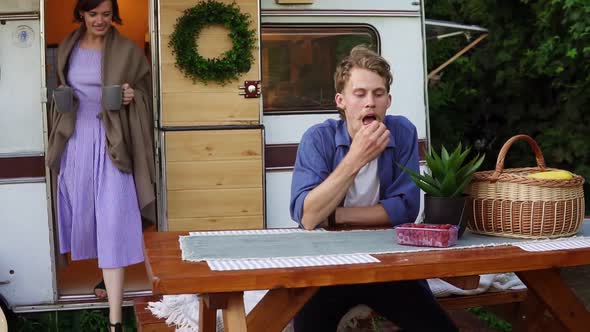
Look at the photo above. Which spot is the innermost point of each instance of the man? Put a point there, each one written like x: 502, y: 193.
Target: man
x: 347, y: 173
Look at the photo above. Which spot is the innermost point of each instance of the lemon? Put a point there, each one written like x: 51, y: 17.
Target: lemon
x: 552, y: 175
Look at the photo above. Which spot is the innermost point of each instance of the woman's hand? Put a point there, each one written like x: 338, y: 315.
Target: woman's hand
x: 128, y: 94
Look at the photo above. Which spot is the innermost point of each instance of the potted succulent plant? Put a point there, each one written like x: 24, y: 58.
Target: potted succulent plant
x: 445, y: 201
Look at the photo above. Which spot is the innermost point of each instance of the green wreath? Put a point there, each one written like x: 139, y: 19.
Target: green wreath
x: 232, y: 63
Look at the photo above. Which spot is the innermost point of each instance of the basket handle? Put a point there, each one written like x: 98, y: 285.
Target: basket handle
x: 506, y: 147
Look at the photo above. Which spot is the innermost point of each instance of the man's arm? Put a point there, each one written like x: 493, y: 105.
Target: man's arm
x: 322, y: 200
x: 401, y: 198
x: 374, y: 215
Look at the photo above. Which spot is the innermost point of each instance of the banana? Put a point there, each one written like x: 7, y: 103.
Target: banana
x: 552, y: 175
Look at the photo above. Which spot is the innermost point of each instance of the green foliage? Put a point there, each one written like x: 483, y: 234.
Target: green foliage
x: 77, y: 320
x: 93, y: 320
x: 233, y: 62
x: 531, y: 75
x: 449, y: 174
x: 491, y: 320
x: 374, y: 325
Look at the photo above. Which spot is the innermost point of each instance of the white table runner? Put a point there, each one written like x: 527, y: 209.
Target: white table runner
x: 469, y: 241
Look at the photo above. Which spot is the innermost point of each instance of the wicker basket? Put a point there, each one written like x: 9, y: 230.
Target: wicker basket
x: 505, y: 202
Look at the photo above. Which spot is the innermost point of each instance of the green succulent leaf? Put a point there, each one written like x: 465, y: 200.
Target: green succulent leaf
x: 470, y: 167
x: 435, y: 164
x: 450, y: 173
x: 461, y: 188
x: 445, y: 156
x: 425, y: 182
x: 448, y: 184
x: 433, y: 190
x: 457, y: 158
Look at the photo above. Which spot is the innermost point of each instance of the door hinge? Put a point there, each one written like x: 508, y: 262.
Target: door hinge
x: 251, y: 89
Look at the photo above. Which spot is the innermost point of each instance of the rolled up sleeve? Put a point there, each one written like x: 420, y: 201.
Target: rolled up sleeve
x: 401, y: 198
x: 312, y: 167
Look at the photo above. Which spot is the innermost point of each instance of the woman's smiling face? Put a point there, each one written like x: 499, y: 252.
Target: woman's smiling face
x: 364, y: 99
x: 99, y: 20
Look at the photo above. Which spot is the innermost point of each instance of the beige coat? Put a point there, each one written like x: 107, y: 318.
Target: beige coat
x: 129, y: 132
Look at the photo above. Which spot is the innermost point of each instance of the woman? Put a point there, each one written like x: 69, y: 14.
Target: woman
x: 103, y: 158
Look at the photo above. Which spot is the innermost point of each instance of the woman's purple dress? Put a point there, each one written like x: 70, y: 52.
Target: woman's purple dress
x: 97, y: 207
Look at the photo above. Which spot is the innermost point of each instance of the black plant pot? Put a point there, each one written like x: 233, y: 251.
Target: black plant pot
x: 447, y: 210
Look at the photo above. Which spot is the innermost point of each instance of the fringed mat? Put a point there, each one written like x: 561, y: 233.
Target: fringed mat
x: 274, y: 244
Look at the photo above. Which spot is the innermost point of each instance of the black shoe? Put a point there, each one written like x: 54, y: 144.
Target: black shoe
x: 100, y: 288
x: 118, y: 327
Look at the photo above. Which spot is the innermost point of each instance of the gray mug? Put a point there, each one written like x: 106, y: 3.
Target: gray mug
x: 112, y: 97
x: 64, y: 99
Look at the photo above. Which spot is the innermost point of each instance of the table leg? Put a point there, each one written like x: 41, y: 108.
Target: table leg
x: 277, y: 308
x: 232, y: 307
x: 207, y: 316
x: 551, y: 290
x: 531, y: 315
x: 234, y: 316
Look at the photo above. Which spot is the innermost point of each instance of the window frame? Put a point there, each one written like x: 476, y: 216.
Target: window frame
x: 264, y: 26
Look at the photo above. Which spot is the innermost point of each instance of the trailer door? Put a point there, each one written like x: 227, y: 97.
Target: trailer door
x: 26, y: 273
x: 211, y: 137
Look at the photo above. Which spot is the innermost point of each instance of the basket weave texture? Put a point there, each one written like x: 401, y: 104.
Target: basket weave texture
x: 507, y: 203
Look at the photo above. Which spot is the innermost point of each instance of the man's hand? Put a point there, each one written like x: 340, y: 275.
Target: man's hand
x: 368, y: 143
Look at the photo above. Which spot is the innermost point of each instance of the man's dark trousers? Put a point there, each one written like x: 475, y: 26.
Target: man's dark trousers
x: 408, y: 304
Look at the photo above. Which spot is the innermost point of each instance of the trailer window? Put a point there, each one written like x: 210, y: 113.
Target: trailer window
x: 298, y: 65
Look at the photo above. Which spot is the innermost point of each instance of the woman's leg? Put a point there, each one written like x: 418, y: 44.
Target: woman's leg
x: 113, y: 279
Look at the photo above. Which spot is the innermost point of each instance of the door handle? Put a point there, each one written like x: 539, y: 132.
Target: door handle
x: 5, y: 282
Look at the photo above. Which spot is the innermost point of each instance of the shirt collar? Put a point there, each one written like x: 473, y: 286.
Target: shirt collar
x: 343, y: 138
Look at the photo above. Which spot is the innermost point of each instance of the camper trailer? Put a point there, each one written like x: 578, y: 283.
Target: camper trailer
x: 224, y: 152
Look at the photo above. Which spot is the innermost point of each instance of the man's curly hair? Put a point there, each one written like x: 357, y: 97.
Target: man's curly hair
x: 361, y: 57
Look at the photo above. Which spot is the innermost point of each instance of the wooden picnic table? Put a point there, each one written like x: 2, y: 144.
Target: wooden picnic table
x: 290, y: 288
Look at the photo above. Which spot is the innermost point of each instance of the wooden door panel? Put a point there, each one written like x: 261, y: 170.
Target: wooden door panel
x: 220, y: 174
x: 214, y: 179
x: 214, y: 202
x: 186, y: 103
x: 239, y: 144
x: 195, y: 108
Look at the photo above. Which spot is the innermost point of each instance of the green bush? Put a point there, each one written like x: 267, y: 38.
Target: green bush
x: 531, y: 75
x: 491, y: 320
x: 75, y: 320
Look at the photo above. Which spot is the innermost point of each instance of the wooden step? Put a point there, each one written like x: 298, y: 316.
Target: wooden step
x: 484, y: 299
x: 146, y: 322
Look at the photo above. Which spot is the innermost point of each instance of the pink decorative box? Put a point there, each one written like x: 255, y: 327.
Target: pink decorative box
x: 427, y: 235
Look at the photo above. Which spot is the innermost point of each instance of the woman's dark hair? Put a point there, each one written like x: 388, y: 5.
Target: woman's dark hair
x: 88, y: 5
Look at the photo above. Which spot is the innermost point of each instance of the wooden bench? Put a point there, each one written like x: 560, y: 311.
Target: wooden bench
x: 146, y: 322
x: 483, y: 300
x: 479, y: 300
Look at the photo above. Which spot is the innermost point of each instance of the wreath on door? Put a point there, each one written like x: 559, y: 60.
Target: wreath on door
x: 228, y: 66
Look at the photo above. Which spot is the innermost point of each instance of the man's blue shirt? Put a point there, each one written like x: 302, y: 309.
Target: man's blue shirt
x: 323, y: 147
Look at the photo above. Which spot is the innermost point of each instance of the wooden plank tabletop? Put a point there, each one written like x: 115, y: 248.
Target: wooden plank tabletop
x: 171, y: 275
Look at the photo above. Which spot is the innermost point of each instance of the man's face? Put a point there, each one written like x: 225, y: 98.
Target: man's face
x: 364, y: 99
